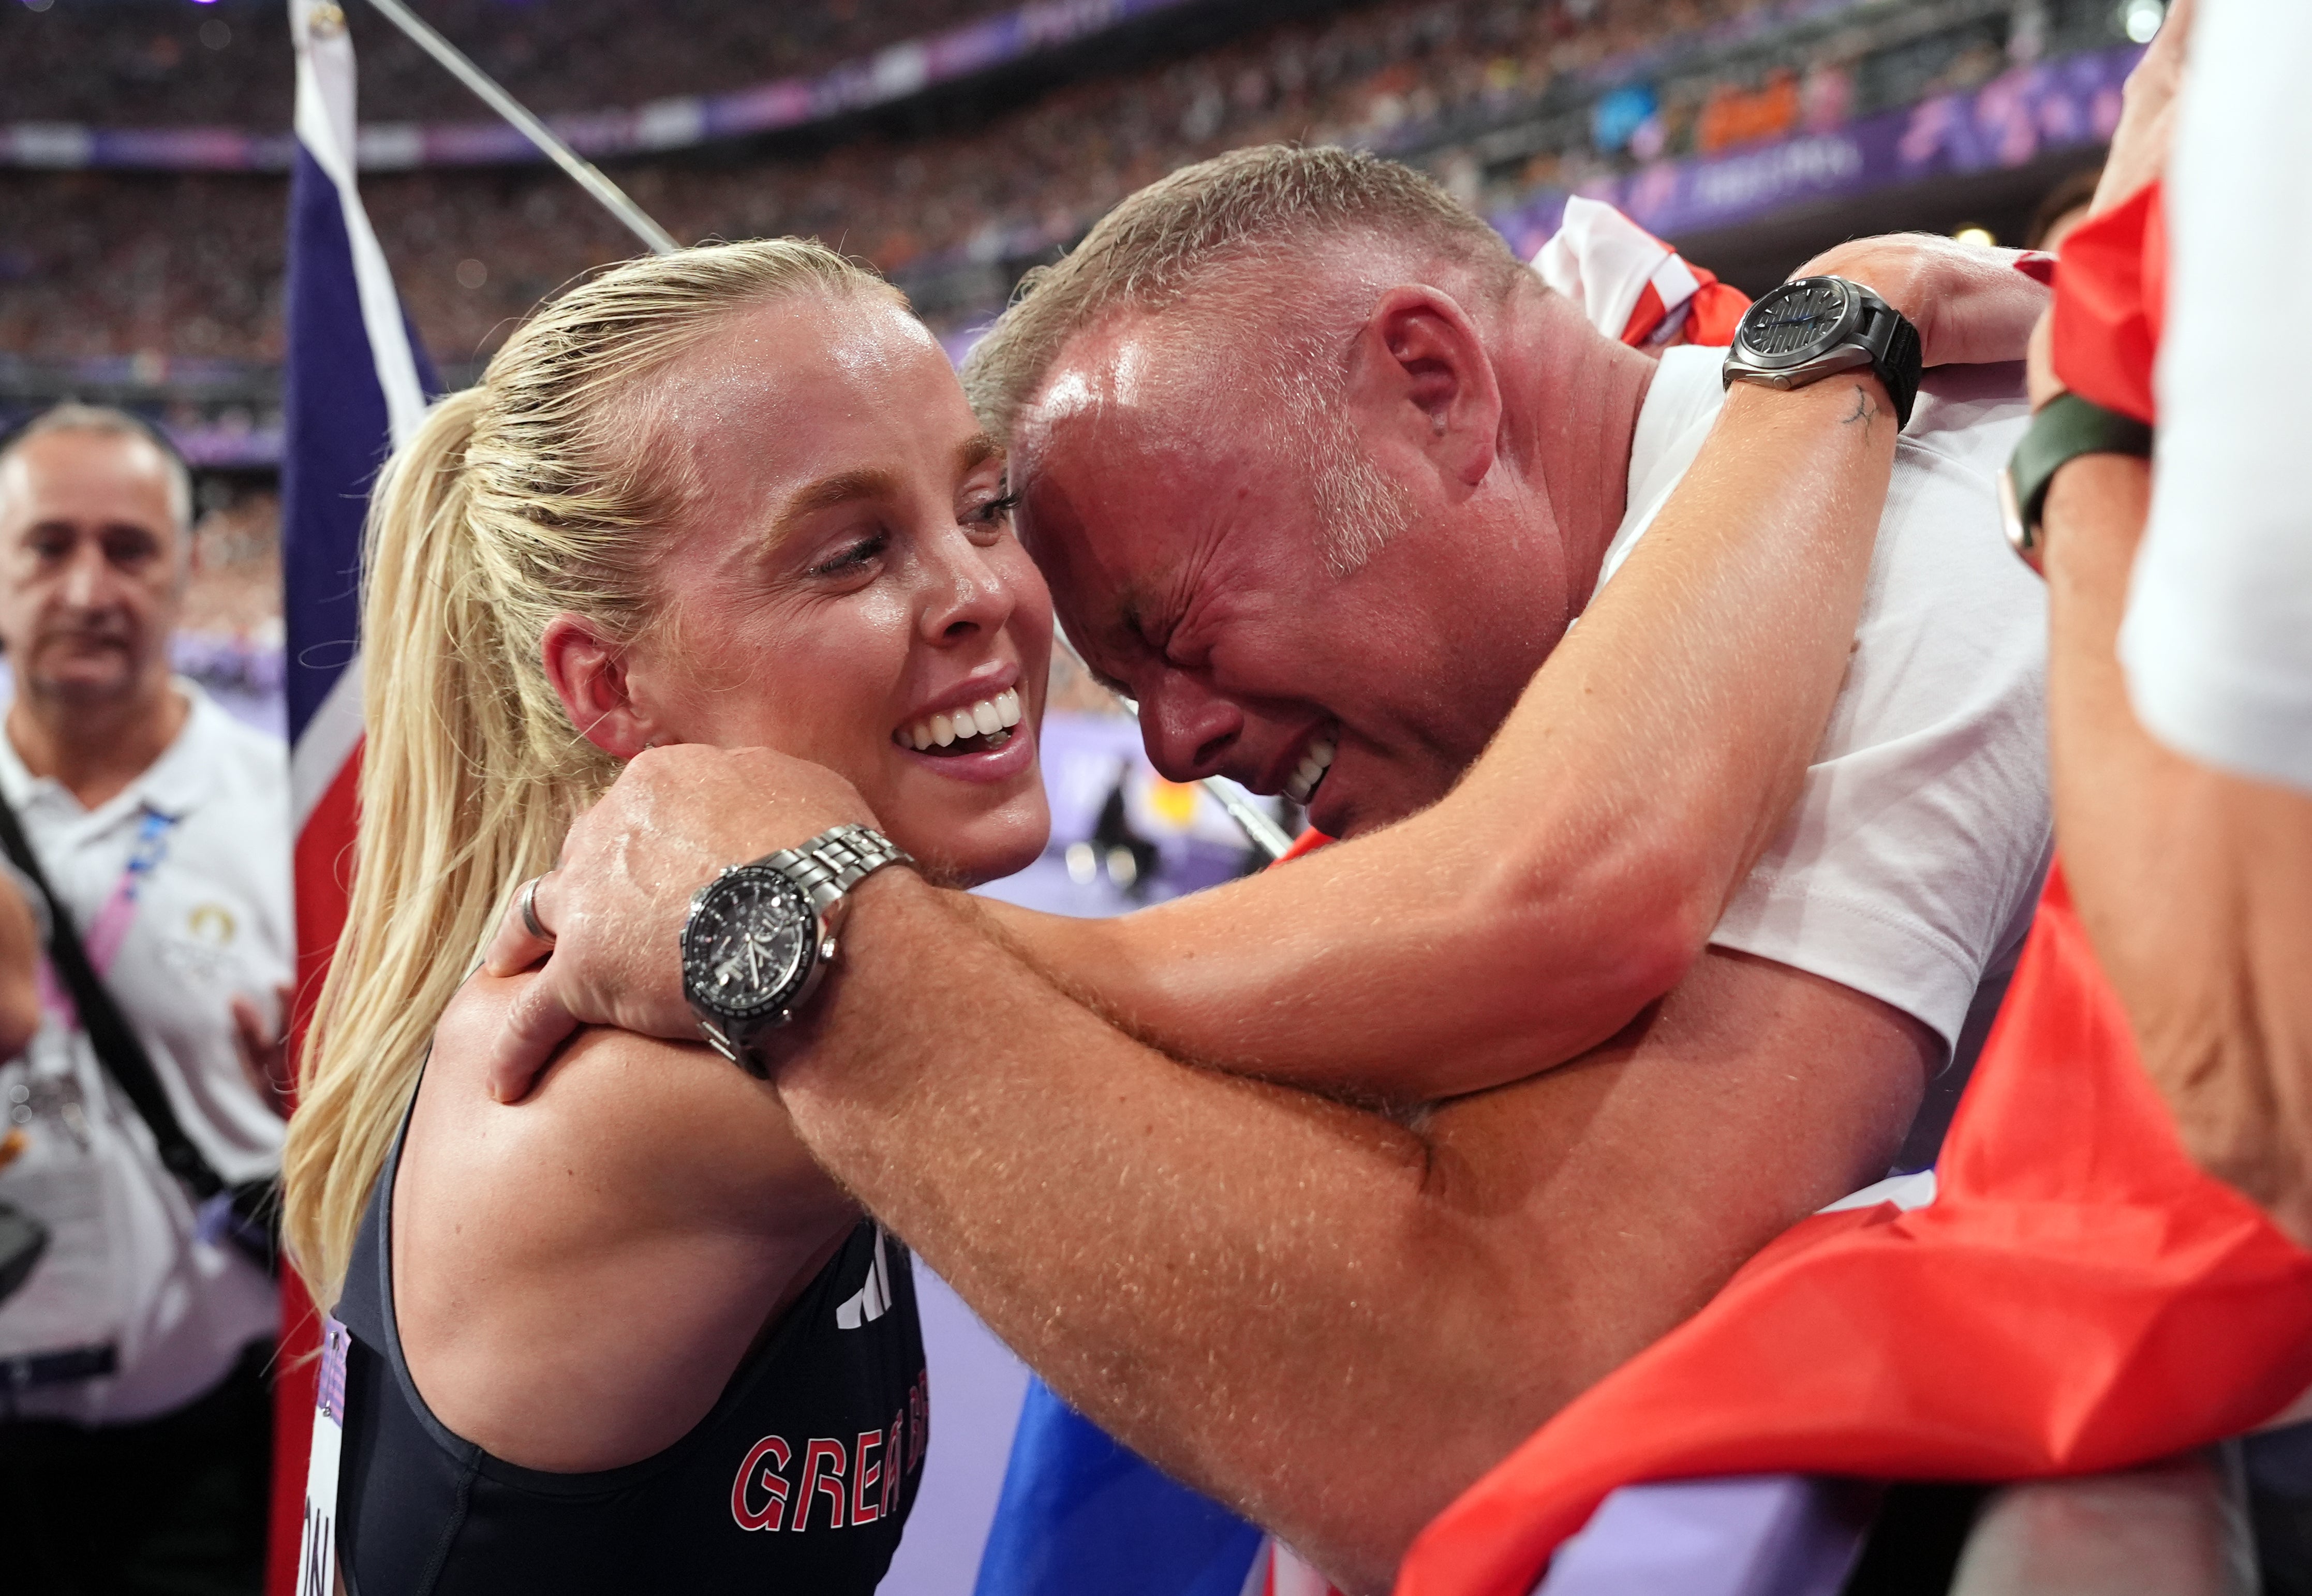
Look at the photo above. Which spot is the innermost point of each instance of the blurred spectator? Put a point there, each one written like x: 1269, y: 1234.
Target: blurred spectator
x: 132, y: 1359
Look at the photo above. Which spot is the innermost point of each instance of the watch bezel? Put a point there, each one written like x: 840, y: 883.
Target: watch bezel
x: 1846, y: 328
x: 775, y: 1008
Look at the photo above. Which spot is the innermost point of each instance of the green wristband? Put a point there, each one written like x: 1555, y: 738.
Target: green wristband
x: 2066, y: 428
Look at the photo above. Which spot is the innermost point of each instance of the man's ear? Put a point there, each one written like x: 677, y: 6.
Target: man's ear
x: 589, y: 673
x: 1419, y: 369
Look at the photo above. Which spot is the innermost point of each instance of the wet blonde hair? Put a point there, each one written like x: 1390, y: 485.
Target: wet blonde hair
x: 535, y: 492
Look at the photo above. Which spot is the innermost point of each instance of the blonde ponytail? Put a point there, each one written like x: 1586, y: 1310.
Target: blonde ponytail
x: 515, y: 501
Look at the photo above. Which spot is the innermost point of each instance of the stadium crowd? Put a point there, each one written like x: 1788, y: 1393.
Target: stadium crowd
x: 112, y: 263
x: 163, y: 62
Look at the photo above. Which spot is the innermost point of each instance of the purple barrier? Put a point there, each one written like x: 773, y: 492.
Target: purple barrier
x: 1756, y: 1535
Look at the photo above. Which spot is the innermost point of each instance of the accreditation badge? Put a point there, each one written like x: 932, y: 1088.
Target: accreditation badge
x: 317, y: 1552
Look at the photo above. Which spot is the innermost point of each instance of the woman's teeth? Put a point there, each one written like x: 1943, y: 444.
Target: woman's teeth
x: 1318, y: 759
x: 989, y: 718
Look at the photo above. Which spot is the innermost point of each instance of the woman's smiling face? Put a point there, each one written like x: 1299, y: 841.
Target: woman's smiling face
x: 842, y: 582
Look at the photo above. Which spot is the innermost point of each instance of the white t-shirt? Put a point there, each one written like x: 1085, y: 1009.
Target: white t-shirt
x: 126, y: 1266
x: 1911, y: 864
x: 2218, y: 640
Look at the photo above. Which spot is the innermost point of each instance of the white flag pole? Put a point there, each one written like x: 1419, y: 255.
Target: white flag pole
x: 587, y: 175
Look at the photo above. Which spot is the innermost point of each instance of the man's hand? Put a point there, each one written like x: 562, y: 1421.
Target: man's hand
x: 613, y: 908
x: 1970, y: 304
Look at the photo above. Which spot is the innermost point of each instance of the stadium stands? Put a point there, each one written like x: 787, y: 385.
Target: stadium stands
x: 137, y: 284
x: 163, y: 62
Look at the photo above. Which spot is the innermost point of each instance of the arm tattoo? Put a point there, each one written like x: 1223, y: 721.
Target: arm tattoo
x: 1866, y: 408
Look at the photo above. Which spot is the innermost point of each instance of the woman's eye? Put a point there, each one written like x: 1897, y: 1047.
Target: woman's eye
x: 995, y: 512
x: 858, y: 557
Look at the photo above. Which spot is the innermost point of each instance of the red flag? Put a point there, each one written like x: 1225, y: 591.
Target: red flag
x: 2078, y: 1297
x: 2111, y: 300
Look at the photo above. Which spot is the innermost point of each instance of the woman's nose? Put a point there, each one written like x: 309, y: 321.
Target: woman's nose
x: 970, y: 593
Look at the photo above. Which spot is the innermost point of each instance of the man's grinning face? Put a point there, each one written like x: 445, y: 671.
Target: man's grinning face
x: 1184, y: 539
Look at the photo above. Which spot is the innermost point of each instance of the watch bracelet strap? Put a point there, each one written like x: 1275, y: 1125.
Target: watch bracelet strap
x: 1902, y: 366
x: 2066, y: 428
x: 835, y: 861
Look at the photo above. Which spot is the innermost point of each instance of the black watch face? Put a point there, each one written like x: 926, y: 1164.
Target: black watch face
x: 1796, y: 320
x: 748, y: 944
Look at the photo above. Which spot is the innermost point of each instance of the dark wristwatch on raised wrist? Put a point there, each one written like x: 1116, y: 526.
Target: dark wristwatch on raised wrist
x: 1812, y: 327
x: 2066, y: 428
x: 759, y: 936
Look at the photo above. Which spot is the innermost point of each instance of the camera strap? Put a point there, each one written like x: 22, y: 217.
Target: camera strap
x: 117, y: 1047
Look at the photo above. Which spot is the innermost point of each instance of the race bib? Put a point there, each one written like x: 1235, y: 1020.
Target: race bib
x: 316, y: 1553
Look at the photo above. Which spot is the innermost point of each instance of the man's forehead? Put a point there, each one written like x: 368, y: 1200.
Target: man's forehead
x: 84, y: 471
x: 1123, y: 380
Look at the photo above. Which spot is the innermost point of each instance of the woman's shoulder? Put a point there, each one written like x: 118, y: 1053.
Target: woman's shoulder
x: 674, y: 1117
x: 625, y: 1231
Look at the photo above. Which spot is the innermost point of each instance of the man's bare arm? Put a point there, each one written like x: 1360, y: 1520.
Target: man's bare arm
x: 2195, y: 886
x: 1574, y: 876
x: 1571, y: 879
x: 1577, y: 873
x: 1327, y: 1319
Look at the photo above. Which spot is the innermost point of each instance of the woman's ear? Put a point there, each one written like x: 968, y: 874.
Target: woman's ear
x: 588, y: 669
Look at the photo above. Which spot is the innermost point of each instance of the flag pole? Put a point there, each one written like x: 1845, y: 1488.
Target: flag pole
x: 587, y: 175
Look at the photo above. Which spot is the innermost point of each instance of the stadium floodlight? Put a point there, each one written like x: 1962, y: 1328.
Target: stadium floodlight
x: 2140, y: 20
x: 588, y: 176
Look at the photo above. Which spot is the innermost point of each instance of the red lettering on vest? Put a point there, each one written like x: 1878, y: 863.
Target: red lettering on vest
x: 763, y: 1472
x: 893, y: 1460
x: 865, y: 1509
x: 823, y: 1463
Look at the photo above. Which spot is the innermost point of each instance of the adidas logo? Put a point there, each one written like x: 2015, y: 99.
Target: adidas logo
x: 872, y: 1301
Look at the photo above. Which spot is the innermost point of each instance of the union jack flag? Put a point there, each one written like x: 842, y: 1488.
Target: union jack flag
x: 355, y: 385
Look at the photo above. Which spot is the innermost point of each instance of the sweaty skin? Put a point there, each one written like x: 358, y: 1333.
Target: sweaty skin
x: 1323, y: 1317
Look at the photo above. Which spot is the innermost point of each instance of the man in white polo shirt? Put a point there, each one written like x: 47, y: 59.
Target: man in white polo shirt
x: 133, y: 1416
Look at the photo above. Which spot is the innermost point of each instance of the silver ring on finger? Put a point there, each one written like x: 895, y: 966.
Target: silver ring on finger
x: 527, y: 898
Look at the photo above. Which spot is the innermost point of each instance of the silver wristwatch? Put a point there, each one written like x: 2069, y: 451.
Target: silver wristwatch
x: 1811, y: 327
x: 759, y: 936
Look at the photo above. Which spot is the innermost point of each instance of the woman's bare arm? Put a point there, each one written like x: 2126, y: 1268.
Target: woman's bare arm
x: 576, y: 1281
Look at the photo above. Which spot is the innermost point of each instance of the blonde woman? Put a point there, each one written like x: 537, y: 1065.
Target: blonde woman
x: 628, y: 1337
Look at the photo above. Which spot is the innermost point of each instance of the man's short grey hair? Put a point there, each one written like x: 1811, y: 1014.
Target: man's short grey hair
x: 72, y: 416
x: 1260, y: 207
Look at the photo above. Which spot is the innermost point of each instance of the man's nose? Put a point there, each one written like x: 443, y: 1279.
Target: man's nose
x: 1190, y: 730
x: 88, y: 577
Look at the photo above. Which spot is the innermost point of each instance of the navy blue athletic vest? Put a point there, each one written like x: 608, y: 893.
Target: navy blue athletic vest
x: 798, y: 1480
